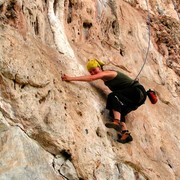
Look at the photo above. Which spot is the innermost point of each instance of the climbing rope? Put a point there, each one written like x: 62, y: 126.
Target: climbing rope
x: 175, y: 8
x: 149, y: 35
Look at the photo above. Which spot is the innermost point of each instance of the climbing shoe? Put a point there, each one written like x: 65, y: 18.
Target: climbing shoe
x: 124, y: 137
x: 115, y: 125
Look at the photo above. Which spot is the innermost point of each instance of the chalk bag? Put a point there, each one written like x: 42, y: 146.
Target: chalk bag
x: 152, y: 96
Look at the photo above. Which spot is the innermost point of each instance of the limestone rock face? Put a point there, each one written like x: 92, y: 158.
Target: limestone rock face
x: 51, y: 129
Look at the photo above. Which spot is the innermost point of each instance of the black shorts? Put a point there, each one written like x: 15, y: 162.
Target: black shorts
x: 126, y: 100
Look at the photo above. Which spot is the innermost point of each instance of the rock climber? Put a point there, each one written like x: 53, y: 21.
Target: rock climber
x: 126, y: 95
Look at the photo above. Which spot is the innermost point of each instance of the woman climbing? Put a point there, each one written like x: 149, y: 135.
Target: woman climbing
x: 127, y: 95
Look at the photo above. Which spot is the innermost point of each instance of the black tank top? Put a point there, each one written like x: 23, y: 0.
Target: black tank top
x: 121, y: 81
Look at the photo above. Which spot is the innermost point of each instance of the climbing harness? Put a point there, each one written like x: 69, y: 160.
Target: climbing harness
x: 150, y: 93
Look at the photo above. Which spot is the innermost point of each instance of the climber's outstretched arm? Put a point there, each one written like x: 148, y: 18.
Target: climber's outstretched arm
x: 104, y: 75
x: 81, y: 78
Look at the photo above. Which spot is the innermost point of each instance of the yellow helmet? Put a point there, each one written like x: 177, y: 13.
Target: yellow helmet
x: 93, y: 63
